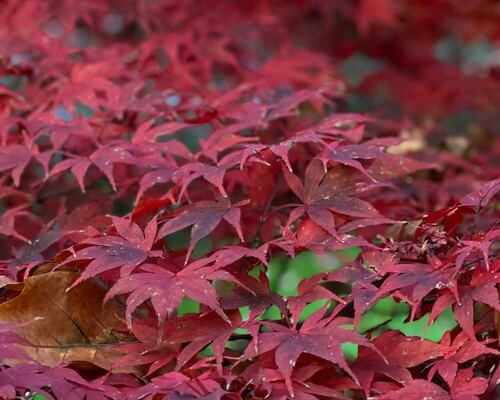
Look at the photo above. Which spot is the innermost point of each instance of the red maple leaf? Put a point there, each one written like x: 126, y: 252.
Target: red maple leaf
x: 108, y: 252
x: 318, y: 336
x: 204, y: 216
x: 324, y: 192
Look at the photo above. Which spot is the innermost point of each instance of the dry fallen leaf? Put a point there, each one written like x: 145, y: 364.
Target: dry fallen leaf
x: 66, y: 326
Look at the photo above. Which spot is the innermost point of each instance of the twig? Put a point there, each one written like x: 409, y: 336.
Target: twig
x: 265, y: 213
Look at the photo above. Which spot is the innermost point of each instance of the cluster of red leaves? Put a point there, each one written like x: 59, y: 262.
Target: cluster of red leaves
x: 126, y: 122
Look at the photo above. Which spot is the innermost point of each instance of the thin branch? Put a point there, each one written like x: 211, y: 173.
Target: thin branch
x: 265, y: 213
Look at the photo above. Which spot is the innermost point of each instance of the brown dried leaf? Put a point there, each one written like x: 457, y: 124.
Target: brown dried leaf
x: 4, y: 281
x: 66, y: 326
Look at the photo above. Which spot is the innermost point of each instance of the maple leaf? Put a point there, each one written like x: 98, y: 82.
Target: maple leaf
x: 126, y: 251
x: 184, y: 101
x: 16, y: 157
x: 393, y: 166
x: 363, y: 296
x: 148, y: 354
x: 204, y: 216
x: 10, y: 342
x: 463, y: 386
x: 401, y: 352
x: 149, y: 131
x: 103, y: 158
x: 417, y: 281
x: 450, y: 217
x: 327, y: 130
x: 211, y: 173
x: 324, y: 192
x: 85, y: 81
x: 349, y: 154
x: 193, y: 333
x: 189, y: 331
x: 152, y: 178
x: 345, y: 125
x: 60, y: 133
x: 304, y: 388
x: 259, y: 113
x: 296, y: 70
x: 418, y: 389
x: 254, y: 294
x: 462, y: 349
x: 53, y: 383
x: 371, y: 12
x: 230, y: 260
x: 165, y: 289
x: 481, y: 288
x: 8, y: 221
x: 309, y: 291
x: 482, y: 196
x: 363, y: 292
x: 231, y: 254
x: 356, y: 272
x: 77, y: 165
x: 218, y: 143
x: 473, y: 246
x: 179, y: 386
x: 318, y: 336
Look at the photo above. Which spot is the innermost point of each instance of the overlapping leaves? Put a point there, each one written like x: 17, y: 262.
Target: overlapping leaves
x: 158, y: 158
